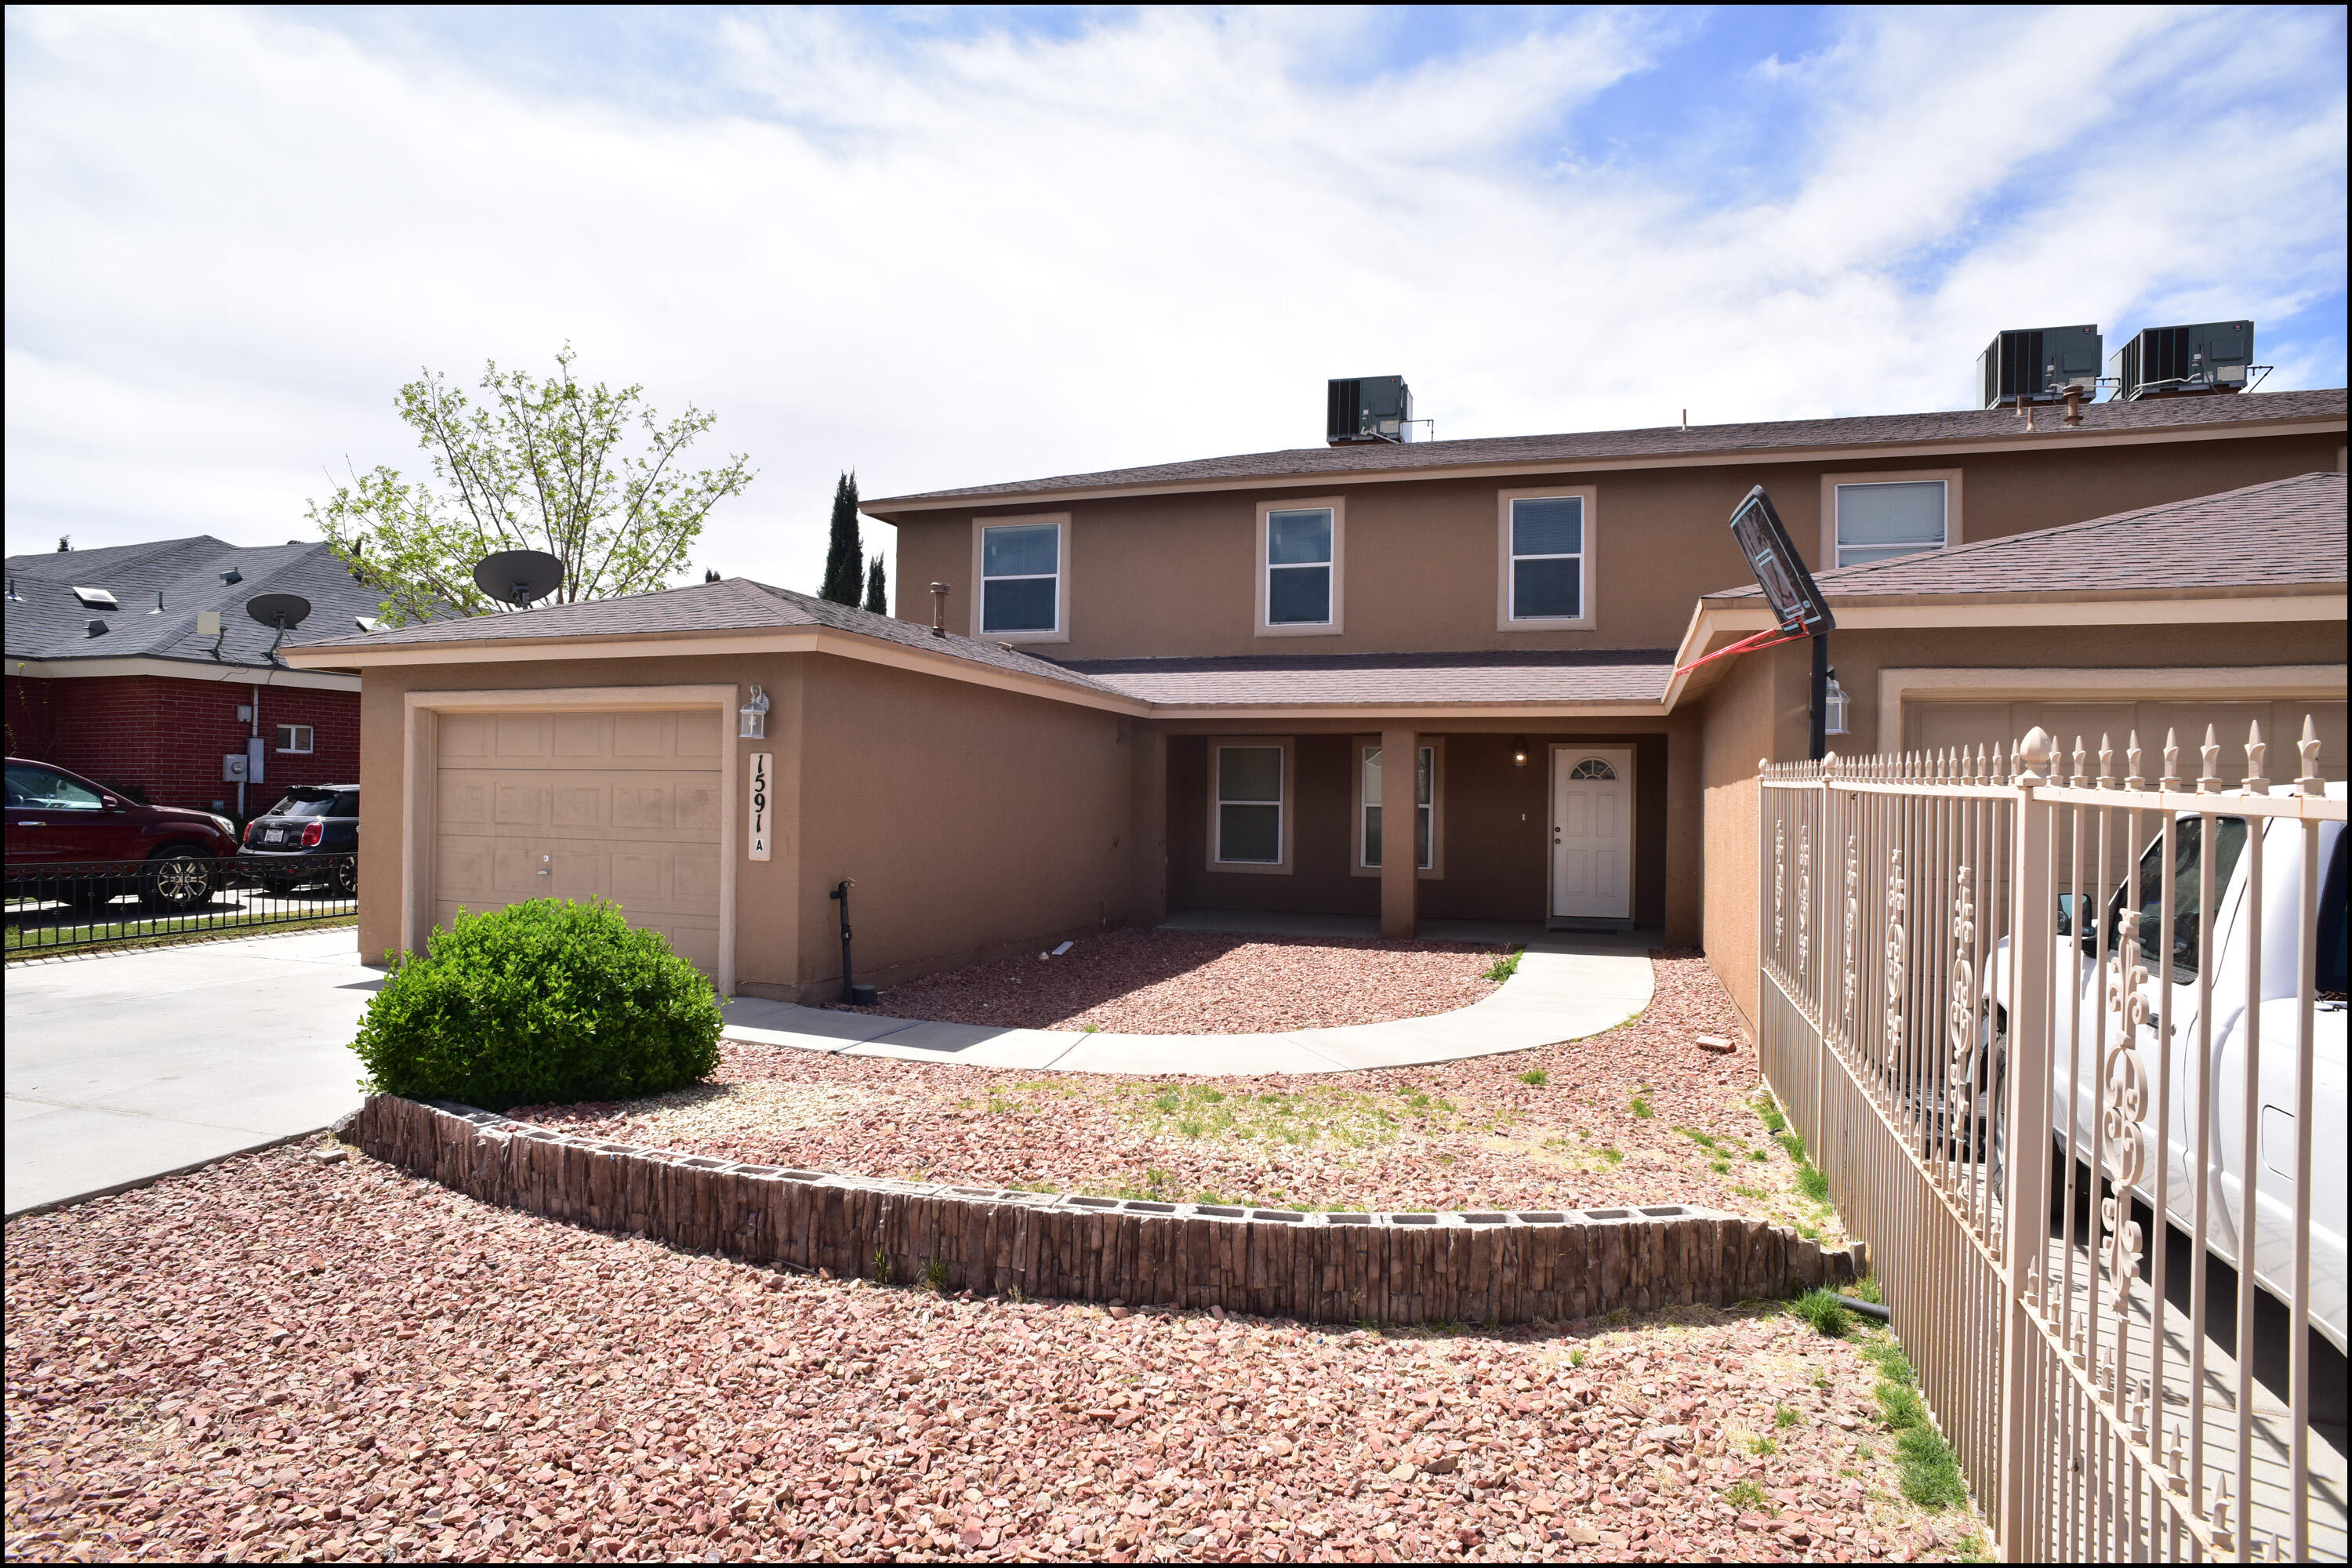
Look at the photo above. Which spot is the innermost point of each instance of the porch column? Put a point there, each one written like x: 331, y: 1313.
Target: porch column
x: 1400, y: 857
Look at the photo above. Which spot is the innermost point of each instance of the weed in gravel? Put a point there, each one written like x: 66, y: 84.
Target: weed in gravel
x: 1758, y: 1155
x: 1756, y: 1193
x: 1720, y: 1167
x: 1712, y: 1145
x: 1614, y: 1156
x: 1785, y: 1416
x: 1505, y: 966
x: 1975, y: 1548
x: 1576, y: 1358
x: 1640, y: 1108
x: 1813, y: 1183
x: 1769, y: 1111
x: 1931, y: 1476
x: 1866, y: 1289
x: 1763, y: 1446
x: 1534, y: 1078
x: 935, y: 1277
x: 1746, y: 1494
x: 1899, y: 1405
x: 1824, y: 1310
x: 881, y: 1266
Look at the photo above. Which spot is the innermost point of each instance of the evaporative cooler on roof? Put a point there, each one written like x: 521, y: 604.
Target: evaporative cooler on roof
x: 2039, y: 363
x: 1368, y: 408
x: 2172, y: 362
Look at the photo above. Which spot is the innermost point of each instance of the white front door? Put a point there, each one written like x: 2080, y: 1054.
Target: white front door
x: 1592, y: 833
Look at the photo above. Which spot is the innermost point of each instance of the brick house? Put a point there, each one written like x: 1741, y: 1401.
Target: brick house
x: 1177, y: 687
x: 114, y: 671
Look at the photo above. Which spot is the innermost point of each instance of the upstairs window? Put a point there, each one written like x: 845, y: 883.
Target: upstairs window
x: 1878, y: 521
x: 1021, y: 579
x: 1547, y: 557
x: 1298, y: 567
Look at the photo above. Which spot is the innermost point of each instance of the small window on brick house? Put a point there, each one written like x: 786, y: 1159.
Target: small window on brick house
x: 294, y: 737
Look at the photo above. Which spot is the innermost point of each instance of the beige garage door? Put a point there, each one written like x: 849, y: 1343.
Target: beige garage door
x: 621, y: 805
x: 1931, y: 726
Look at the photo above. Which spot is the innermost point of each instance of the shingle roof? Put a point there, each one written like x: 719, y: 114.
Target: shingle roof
x: 1668, y: 441
x: 1387, y: 679
x: 48, y: 622
x: 2283, y: 533
x: 735, y: 603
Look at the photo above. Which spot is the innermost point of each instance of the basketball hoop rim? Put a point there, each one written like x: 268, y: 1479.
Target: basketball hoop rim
x: 1781, y: 634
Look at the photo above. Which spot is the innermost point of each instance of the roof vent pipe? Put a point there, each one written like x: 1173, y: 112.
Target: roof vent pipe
x: 159, y: 602
x: 232, y: 577
x: 97, y: 627
x: 939, y: 610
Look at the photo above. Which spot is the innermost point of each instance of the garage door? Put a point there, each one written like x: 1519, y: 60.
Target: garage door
x: 1930, y: 726
x: 623, y: 806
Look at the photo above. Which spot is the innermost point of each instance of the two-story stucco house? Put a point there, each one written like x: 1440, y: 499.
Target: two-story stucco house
x: 1414, y: 681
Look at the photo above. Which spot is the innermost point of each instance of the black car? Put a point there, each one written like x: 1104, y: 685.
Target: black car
x: 311, y: 835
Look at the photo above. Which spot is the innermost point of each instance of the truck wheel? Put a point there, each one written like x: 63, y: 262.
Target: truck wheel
x: 177, y: 878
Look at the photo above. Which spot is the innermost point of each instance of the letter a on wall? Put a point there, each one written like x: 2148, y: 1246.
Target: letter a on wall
x: 763, y: 831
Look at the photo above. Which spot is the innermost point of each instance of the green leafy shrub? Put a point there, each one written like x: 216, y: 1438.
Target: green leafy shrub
x: 544, y: 1002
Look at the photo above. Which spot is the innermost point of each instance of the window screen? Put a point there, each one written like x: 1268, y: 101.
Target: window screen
x: 1548, y: 558
x: 1299, y: 560
x: 1249, y: 804
x: 1021, y: 578
x: 1878, y: 522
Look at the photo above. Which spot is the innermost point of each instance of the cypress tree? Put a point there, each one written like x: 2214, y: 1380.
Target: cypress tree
x: 845, y: 553
x: 877, y: 588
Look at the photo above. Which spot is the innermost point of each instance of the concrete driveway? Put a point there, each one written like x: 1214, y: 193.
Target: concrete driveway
x: 127, y: 1066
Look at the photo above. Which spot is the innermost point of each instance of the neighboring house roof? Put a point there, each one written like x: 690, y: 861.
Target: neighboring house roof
x: 734, y: 604
x: 1386, y: 680
x: 2285, y: 533
x: 46, y: 622
x: 2181, y: 414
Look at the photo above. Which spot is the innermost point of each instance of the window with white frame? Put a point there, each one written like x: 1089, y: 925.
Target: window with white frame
x: 1878, y: 521
x: 1021, y: 578
x: 1301, y: 556
x: 1425, y: 800
x: 1249, y: 824
x: 294, y: 738
x: 1548, y: 555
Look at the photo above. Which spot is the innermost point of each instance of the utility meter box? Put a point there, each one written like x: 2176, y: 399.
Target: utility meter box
x: 232, y: 768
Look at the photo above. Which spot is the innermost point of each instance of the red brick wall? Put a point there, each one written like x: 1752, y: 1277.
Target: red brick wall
x: 168, y: 736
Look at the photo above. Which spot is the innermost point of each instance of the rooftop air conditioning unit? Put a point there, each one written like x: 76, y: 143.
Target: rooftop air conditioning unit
x: 2039, y: 363
x: 2173, y: 362
x: 1367, y: 409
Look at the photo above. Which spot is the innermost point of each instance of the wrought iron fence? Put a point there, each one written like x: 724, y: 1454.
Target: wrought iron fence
x: 2062, y: 1041
x: 58, y: 906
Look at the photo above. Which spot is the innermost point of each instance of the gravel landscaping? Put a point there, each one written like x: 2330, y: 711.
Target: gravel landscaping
x: 1638, y: 1114
x: 279, y: 1357
x: 1202, y: 982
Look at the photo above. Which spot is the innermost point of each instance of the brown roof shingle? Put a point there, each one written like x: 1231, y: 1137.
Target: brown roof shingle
x: 1861, y: 431
x: 1391, y: 679
x: 2282, y: 534
x: 734, y: 604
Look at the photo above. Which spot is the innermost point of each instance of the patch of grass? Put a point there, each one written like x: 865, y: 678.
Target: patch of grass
x: 1866, y: 1289
x: 1758, y: 1155
x: 1758, y: 1194
x: 1931, y: 1475
x: 1576, y: 1358
x: 1770, y: 1112
x: 1785, y: 1416
x: 1314, y: 1116
x: 1535, y: 1078
x: 1794, y: 1143
x: 1710, y: 1144
x: 1825, y: 1311
x: 1640, y: 1108
x: 881, y: 1266
x: 935, y: 1277
x: 1720, y: 1167
x: 1764, y: 1446
x: 1746, y: 1494
x: 1505, y: 966
x: 1900, y: 1406
x: 1975, y: 1548
x: 1614, y: 1156
x: 1886, y: 1353
x: 1813, y: 1183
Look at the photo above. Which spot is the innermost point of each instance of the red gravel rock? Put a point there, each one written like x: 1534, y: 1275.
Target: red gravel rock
x: 277, y: 1358
x: 1468, y: 1134
x: 1202, y: 982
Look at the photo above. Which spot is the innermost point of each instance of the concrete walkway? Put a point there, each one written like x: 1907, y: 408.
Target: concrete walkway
x: 1565, y: 988
x: 123, y: 1067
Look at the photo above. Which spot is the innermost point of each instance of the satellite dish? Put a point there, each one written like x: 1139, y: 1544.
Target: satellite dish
x: 518, y: 577
x: 284, y: 611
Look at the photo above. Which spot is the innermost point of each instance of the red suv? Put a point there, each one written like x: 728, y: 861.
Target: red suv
x: 60, y: 822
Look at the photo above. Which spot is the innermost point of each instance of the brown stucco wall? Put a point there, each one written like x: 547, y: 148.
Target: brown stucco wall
x: 1172, y: 576
x: 1756, y: 711
x: 975, y: 822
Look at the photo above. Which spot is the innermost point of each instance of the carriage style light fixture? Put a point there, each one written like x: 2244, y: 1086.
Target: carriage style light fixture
x: 754, y: 717
x: 1520, y: 751
x: 1834, y: 703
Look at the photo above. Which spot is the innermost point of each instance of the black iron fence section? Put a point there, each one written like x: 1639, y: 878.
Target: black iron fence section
x: 59, y: 906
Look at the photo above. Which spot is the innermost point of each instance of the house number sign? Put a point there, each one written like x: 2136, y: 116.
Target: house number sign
x: 763, y: 830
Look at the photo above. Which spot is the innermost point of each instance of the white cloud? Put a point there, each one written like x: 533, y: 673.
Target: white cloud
x: 950, y: 261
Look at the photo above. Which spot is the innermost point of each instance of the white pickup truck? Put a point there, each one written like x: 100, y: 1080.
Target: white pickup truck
x: 2274, y: 1006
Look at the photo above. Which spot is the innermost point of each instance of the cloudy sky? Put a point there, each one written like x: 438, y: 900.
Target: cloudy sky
x: 951, y: 246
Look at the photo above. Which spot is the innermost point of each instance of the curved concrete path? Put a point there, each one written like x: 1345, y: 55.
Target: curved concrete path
x: 1555, y: 996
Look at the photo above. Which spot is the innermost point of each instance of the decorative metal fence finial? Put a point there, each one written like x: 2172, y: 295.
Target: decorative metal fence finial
x: 2132, y: 779
x: 2106, y: 763
x: 2171, y: 779
x: 2032, y: 766
x: 2257, y: 754
x: 2310, y: 782
x: 2208, y: 780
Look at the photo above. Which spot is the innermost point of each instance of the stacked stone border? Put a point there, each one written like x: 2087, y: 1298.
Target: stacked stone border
x: 1469, y: 1268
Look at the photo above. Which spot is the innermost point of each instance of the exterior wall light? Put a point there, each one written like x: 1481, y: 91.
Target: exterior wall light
x: 1519, y: 753
x: 1834, y: 702
x: 754, y: 717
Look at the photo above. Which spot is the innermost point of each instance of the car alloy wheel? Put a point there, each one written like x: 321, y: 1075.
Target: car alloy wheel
x: 346, y: 878
x: 178, y: 880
